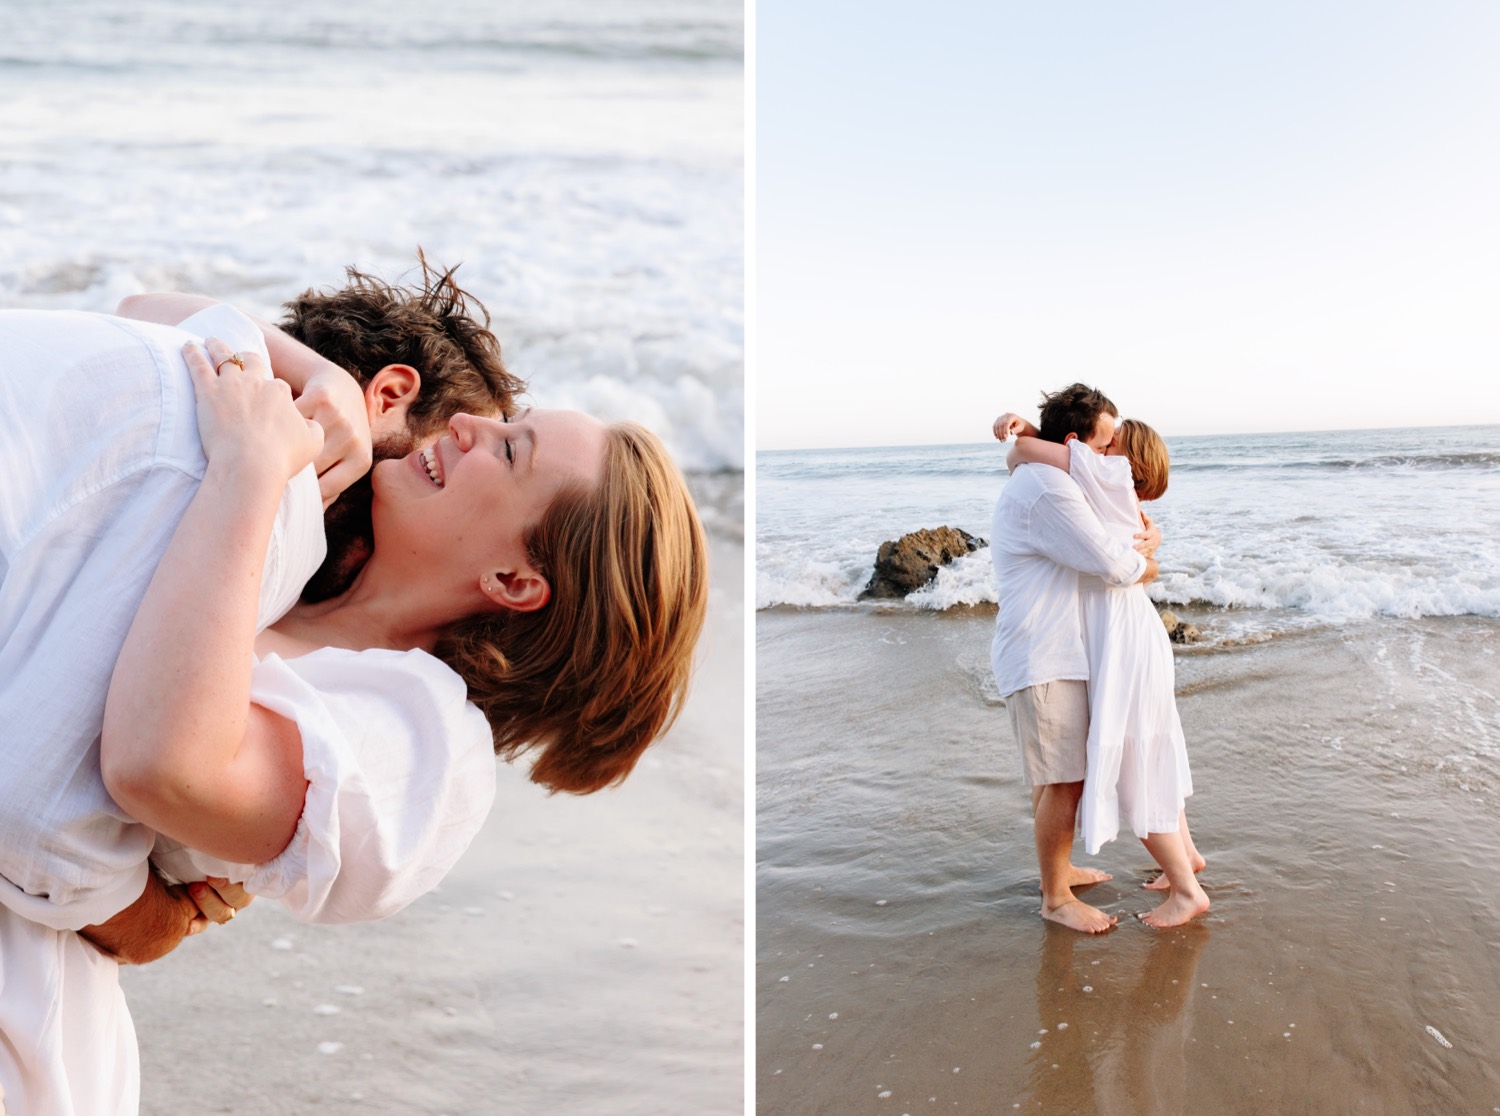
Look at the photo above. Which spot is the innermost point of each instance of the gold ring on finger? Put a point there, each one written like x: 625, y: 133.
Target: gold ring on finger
x: 234, y: 359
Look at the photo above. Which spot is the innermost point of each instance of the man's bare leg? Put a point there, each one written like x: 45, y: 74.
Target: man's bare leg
x: 1187, y: 899
x: 1056, y: 809
x: 1076, y: 876
x: 1195, y: 858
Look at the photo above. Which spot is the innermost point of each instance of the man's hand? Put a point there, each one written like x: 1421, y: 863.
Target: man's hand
x: 333, y: 399
x: 155, y: 924
x: 149, y: 928
x: 1148, y: 540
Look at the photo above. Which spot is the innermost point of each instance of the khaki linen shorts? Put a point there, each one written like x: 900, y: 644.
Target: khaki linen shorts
x: 1051, y: 723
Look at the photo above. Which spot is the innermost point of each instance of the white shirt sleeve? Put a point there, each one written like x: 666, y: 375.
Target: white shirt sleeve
x: 1064, y: 529
x: 401, y: 774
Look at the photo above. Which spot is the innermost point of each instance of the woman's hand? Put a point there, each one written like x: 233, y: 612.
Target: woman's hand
x: 219, y: 900
x: 246, y: 420
x: 333, y: 399
x: 1010, y: 425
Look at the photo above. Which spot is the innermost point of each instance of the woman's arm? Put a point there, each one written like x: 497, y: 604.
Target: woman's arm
x: 183, y: 750
x: 325, y: 392
x: 1035, y: 451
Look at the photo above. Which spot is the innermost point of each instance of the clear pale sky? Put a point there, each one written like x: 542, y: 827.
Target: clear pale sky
x: 1231, y: 218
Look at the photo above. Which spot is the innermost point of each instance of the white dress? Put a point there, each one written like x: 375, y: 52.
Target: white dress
x: 1137, y: 756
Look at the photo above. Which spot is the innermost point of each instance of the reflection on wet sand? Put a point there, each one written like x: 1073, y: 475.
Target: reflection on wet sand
x: 1115, y: 1053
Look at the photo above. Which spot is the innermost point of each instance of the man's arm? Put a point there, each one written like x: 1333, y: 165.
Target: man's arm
x: 151, y: 927
x: 155, y: 924
x: 325, y: 392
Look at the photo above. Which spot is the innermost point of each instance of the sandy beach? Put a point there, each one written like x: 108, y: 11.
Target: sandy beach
x: 1346, y: 780
x: 585, y: 956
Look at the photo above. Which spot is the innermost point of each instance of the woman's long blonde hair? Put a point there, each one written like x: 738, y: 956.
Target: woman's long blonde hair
x: 599, y: 672
x: 1147, y: 454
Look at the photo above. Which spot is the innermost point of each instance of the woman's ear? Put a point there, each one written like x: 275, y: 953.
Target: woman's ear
x: 388, y: 399
x: 524, y: 591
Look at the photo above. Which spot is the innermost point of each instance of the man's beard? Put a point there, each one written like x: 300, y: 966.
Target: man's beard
x: 346, y: 523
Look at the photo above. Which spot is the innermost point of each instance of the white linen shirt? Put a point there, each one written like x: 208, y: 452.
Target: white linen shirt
x: 1042, y: 537
x: 99, y: 457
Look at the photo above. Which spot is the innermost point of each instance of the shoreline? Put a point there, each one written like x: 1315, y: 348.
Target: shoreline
x: 1344, y: 803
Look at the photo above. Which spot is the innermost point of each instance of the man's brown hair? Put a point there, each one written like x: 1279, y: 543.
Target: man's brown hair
x: 1073, y: 410
x: 436, y: 327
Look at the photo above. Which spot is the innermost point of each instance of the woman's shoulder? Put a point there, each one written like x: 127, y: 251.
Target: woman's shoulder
x: 375, y: 670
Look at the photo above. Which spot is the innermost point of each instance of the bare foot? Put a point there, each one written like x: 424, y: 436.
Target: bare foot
x: 1160, y: 882
x: 1082, y: 877
x: 1176, y: 910
x: 1085, y: 877
x: 1075, y: 914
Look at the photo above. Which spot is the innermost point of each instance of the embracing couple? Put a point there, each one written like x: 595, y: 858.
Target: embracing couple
x: 1083, y: 661
x: 208, y: 693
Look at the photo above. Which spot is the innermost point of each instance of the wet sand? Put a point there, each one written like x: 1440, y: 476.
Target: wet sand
x: 1347, y: 784
x: 585, y: 956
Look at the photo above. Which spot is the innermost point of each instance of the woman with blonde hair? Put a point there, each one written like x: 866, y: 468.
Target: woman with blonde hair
x: 1137, y: 768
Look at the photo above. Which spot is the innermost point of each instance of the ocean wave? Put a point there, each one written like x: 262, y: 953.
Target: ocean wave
x: 613, y: 282
x: 639, y: 32
x: 1336, y: 592
x: 1472, y: 459
x: 1325, y: 591
x: 915, y: 463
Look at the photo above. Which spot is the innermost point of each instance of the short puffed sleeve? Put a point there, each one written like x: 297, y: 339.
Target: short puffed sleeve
x: 401, y: 774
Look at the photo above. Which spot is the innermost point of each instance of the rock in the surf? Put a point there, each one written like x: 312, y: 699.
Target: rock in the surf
x: 910, y: 562
x: 1178, y: 630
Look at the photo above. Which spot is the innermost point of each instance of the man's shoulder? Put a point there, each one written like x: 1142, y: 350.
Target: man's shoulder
x: 1031, y: 482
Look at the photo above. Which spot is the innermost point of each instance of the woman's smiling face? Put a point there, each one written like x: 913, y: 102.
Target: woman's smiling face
x: 465, y: 503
